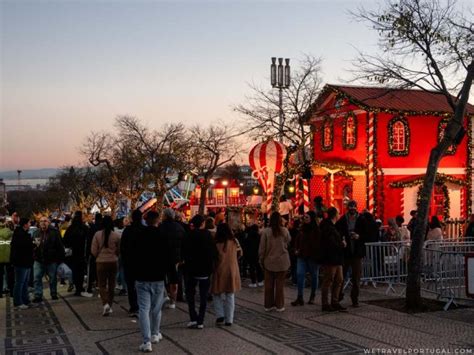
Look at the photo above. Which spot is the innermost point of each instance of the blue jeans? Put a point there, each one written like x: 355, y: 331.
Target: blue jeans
x: 150, y: 301
x: 224, y: 305
x: 39, y: 269
x: 20, y: 289
x: 191, y: 292
x: 304, y: 265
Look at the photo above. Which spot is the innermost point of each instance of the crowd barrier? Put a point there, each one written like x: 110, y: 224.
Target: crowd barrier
x: 442, y: 267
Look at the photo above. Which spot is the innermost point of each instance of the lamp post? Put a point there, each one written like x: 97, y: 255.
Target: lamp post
x: 280, y: 78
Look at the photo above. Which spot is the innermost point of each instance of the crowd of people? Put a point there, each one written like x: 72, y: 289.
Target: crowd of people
x: 160, y: 259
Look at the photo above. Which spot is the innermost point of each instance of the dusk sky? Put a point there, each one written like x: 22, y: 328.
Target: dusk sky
x: 69, y: 67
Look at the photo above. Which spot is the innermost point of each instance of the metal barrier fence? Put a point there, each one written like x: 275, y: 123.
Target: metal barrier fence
x: 442, y: 269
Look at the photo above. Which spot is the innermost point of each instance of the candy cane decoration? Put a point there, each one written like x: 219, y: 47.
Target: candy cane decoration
x: 463, y: 201
x: 371, y: 151
x: 402, y: 202
x: 298, y: 194
x: 306, y: 195
x: 331, y: 189
x: 269, y: 197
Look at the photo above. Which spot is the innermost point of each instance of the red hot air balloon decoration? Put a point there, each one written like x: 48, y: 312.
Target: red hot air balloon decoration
x: 266, y: 160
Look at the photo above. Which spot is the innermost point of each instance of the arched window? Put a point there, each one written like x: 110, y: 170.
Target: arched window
x: 349, y: 137
x: 327, y: 135
x: 441, y: 128
x: 398, y: 137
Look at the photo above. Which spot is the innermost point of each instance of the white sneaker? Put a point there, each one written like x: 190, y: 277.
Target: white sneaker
x: 192, y: 324
x: 155, y: 339
x: 269, y: 309
x: 260, y: 284
x: 86, y: 294
x: 252, y: 285
x: 23, y: 307
x: 282, y: 309
x: 146, y: 347
x: 200, y: 326
x: 171, y: 305
x: 106, y: 310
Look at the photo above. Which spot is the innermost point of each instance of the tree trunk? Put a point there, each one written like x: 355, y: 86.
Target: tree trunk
x: 202, y: 199
x: 455, y: 125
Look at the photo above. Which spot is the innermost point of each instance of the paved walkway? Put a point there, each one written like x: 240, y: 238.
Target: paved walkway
x: 74, y: 325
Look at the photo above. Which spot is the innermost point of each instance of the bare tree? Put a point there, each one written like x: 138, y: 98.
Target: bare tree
x: 163, y: 153
x: 425, y: 44
x: 212, y: 147
x: 261, y: 117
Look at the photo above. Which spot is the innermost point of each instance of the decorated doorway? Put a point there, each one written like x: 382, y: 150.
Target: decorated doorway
x: 342, y: 191
x: 439, y: 205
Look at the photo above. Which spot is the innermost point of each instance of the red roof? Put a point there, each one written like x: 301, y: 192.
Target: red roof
x: 393, y: 99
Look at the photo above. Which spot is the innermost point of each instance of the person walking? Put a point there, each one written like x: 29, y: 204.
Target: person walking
x: 105, y: 249
x: 90, y: 260
x: 199, y: 258
x: 352, y: 228
x: 75, y: 239
x: 174, y: 234
x: 151, y: 249
x: 5, y: 265
x: 21, y: 257
x: 48, y: 254
x: 128, y: 254
x: 332, y: 251
x: 308, y: 253
x: 226, y: 276
x: 250, y: 247
x: 273, y: 255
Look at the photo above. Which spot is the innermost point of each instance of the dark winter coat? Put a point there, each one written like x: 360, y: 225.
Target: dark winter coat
x: 21, y: 253
x: 355, y: 248
x: 151, y: 253
x: 128, y: 246
x: 76, y: 237
x: 332, y: 249
x: 50, y: 247
x: 308, y: 242
x: 174, y: 234
x: 251, y: 244
x: 199, y: 253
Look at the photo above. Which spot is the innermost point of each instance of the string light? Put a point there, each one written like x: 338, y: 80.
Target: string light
x: 439, y: 179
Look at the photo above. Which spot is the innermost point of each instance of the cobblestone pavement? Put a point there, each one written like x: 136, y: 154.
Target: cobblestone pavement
x: 74, y: 325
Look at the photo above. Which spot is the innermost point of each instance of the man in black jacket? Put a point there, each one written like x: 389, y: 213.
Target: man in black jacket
x: 75, y: 238
x: 174, y: 234
x: 128, y: 245
x: 332, y: 251
x: 48, y: 254
x: 152, y: 250
x: 21, y: 257
x: 352, y: 228
x: 199, y: 255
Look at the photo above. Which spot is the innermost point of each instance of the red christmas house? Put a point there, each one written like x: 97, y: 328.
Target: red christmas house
x: 373, y: 144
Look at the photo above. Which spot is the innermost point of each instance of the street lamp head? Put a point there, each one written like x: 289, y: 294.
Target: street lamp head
x: 273, y: 72
x: 280, y: 72
x: 287, y: 73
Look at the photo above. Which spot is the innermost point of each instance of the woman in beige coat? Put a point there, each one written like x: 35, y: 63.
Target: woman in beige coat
x: 274, y: 257
x: 226, y: 276
x: 105, y: 248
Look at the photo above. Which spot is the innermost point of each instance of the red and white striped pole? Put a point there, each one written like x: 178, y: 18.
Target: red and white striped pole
x: 331, y: 189
x: 269, y: 197
x: 402, y: 202
x: 306, y: 195
x: 297, y: 194
x: 371, y: 162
